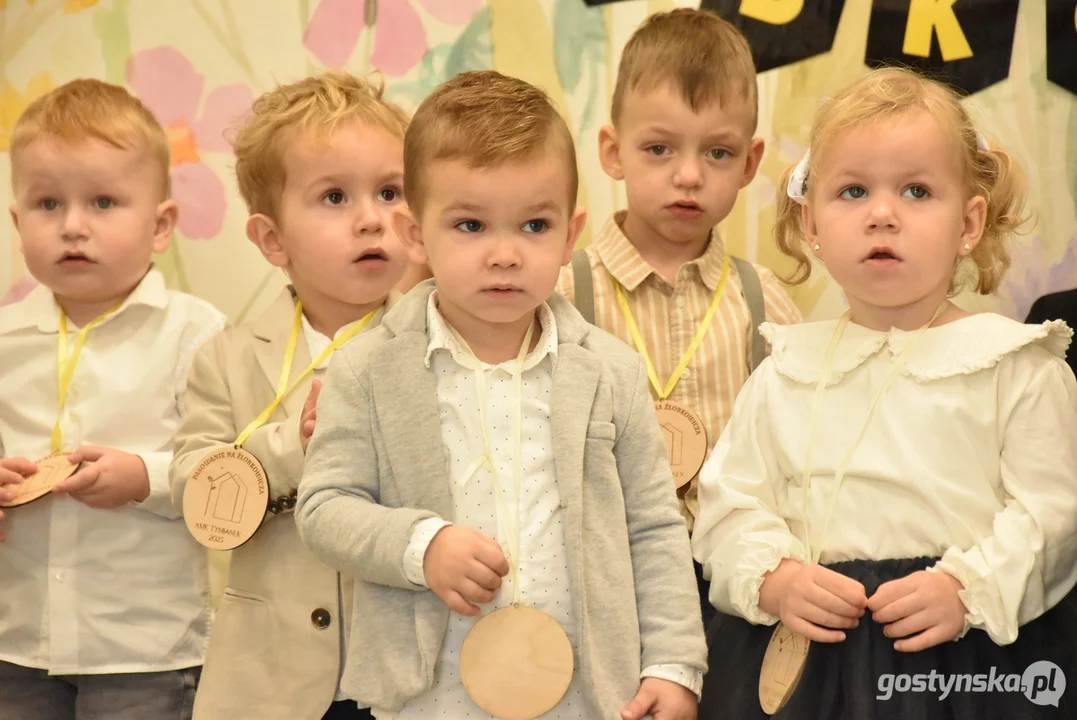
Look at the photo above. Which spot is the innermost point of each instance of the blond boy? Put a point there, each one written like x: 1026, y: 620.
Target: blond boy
x: 682, y: 139
x: 90, y: 625
x: 320, y: 164
x: 416, y: 445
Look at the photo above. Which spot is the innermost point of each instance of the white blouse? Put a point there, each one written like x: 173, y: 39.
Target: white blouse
x: 971, y: 456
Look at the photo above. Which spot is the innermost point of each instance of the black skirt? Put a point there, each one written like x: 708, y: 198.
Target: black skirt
x: 864, y: 678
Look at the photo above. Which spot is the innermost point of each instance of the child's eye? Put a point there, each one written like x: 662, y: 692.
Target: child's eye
x: 469, y: 226
x: 389, y: 194
x: 49, y: 204
x: 657, y: 150
x: 535, y: 226
x: 104, y: 203
x: 854, y: 193
x: 333, y: 197
x: 718, y: 154
x: 917, y: 192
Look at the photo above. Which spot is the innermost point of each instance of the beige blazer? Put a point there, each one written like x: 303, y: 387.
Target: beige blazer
x: 275, y: 649
x: 375, y: 470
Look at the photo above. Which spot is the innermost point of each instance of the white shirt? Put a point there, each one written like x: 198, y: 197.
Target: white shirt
x: 543, y: 572
x: 971, y: 456
x: 89, y: 591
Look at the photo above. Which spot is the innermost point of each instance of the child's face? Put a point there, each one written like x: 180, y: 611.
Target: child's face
x: 682, y: 169
x: 889, y: 209
x: 89, y: 217
x: 496, y: 238
x: 334, y: 235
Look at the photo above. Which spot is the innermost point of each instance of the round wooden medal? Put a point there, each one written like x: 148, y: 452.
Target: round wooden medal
x: 686, y: 440
x: 516, y: 663
x: 50, y: 470
x: 226, y: 498
x: 783, y: 664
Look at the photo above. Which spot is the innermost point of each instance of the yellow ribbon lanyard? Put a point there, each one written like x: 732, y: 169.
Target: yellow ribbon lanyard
x: 900, y: 361
x: 510, y: 521
x: 283, y: 388
x: 661, y: 391
x: 65, y: 368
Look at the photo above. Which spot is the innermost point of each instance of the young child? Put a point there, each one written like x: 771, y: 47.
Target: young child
x: 320, y: 164
x: 684, y: 115
x: 924, y: 456
x: 486, y: 453
x: 94, y: 364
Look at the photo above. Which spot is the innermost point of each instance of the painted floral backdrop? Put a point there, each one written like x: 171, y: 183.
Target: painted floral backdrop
x: 197, y: 64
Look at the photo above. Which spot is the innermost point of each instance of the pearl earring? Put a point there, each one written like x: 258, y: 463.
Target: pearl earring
x: 818, y: 247
x: 967, y: 246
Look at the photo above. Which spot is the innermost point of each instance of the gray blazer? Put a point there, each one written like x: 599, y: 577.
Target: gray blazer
x: 375, y: 469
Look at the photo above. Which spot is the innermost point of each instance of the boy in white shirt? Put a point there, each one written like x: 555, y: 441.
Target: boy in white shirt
x: 100, y: 614
x: 487, y: 452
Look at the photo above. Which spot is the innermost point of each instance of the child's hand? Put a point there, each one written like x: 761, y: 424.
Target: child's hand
x: 926, y: 603
x: 13, y: 470
x: 809, y: 599
x: 663, y: 700
x: 464, y: 568
x: 310, y: 414
x: 110, y: 479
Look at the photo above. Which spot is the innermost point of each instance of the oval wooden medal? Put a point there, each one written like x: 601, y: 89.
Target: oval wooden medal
x: 516, y: 663
x: 226, y: 498
x: 783, y: 664
x: 686, y: 440
x: 50, y: 470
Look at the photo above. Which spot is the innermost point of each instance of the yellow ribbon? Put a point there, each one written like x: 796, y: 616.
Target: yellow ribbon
x: 637, y: 337
x: 65, y: 368
x: 900, y: 361
x: 283, y: 388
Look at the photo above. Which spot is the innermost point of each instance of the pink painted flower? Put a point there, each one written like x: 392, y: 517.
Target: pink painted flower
x: 399, y: 40
x: 18, y: 291
x: 166, y: 82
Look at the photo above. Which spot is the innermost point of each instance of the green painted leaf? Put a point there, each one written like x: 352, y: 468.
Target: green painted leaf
x: 579, y: 35
x: 115, y: 34
x: 472, y: 50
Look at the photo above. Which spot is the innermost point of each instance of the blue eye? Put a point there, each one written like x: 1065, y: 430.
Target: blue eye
x: 469, y: 226
x: 917, y: 192
x: 854, y: 193
x: 536, y: 226
x: 657, y: 150
x: 104, y: 203
x: 718, y: 154
x: 49, y: 204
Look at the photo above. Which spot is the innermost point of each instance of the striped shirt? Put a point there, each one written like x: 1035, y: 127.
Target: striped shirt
x: 668, y: 317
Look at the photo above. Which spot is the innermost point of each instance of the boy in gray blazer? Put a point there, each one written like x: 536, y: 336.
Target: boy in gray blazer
x: 485, y: 447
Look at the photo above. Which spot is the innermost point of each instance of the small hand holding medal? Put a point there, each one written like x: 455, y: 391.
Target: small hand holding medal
x: 108, y: 479
x: 812, y: 600
x: 309, y: 415
x: 13, y: 470
x: 464, y: 568
x: 923, y: 608
x: 662, y: 700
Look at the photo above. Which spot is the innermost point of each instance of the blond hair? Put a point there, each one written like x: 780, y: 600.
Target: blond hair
x: 485, y: 119
x: 315, y: 106
x: 992, y: 174
x: 704, y: 57
x: 84, y: 109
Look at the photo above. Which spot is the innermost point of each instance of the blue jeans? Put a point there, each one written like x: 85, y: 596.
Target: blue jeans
x: 31, y: 693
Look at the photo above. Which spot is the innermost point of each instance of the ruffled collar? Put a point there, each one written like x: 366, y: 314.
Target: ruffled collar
x: 962, y: 347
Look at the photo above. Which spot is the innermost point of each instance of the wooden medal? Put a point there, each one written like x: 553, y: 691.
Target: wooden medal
x: 50, y: 470
x: 686, y: 440
x: 516, y: 663
x: 226, y: 499
x: 783, y: 664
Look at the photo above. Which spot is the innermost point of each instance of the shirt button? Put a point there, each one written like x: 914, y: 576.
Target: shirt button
x: 60, y: 576
x: 320, y: 618
x: 681, y: 302
x: 687, y: 373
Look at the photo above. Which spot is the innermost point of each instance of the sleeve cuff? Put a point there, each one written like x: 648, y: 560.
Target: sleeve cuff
x: 981, y: 599
x: 683, y: 675
x: 159, y: 501
x: 752, y: 569
x: 415, y: 553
